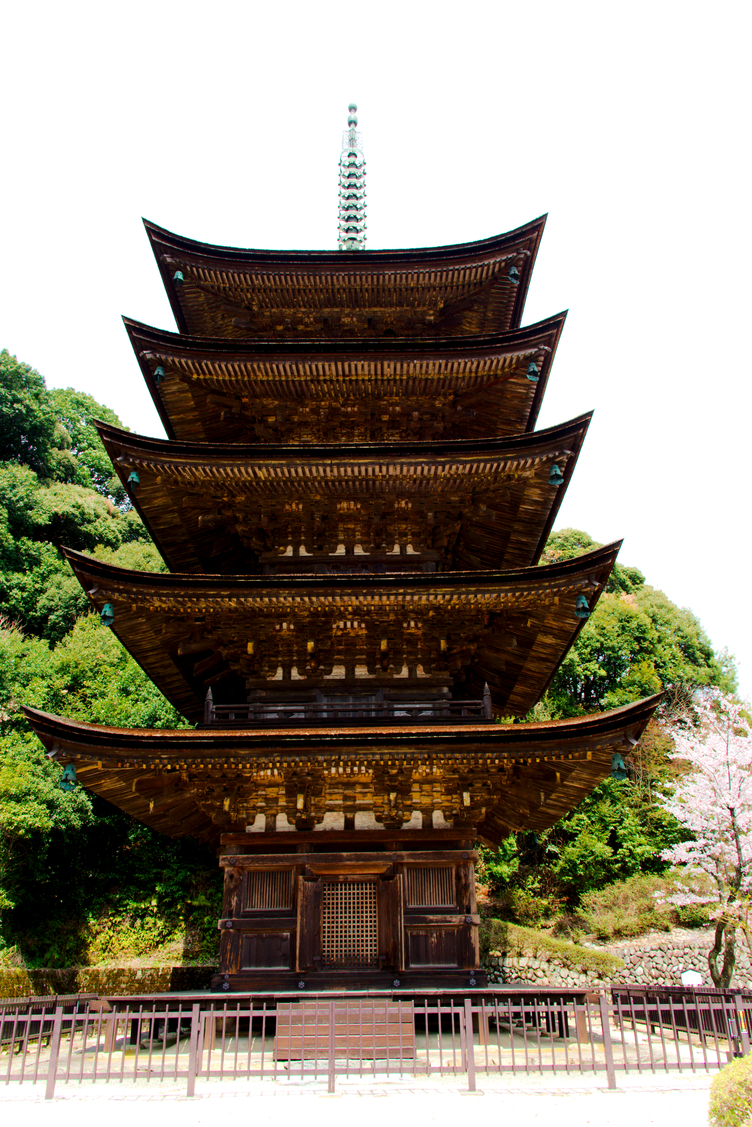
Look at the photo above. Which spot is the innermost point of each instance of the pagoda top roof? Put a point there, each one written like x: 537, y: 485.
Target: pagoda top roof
x: 266, y: 633
x: 525, y: 775
x: 462, y: 289
x: 227, y: 507
x: 269, y: 390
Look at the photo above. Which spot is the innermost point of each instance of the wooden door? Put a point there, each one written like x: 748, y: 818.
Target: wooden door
x: 391, y: 944
x: 309, y: 924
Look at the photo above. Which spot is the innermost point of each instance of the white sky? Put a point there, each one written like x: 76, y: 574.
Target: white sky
x: 627, y: 123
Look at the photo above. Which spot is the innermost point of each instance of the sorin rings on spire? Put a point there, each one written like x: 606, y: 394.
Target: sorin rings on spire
x: 352, y: 187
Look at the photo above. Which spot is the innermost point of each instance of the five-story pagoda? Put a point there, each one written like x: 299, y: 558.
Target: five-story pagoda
x: 352, y: 501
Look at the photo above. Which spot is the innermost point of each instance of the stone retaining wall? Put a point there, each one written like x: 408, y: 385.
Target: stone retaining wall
x: 654, y: 960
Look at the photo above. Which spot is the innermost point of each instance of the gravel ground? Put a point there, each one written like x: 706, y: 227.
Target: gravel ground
x: 645, y: 1100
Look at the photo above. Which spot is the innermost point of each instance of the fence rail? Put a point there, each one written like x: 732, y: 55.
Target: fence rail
x: 203, y: 1038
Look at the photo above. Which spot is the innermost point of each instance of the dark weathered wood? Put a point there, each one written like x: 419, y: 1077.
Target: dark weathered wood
x: 265, y: 950
x: 282, y: 635
x: 404, y: 937
x: 232, y: 904
x: 433, y: 947
x: 431, y: 885
x: 348, y: 866
x: 466, y: 887
x: 268, y: 890
x: 420, y: 919
x: 333, y: 862
x: 427, y: 838
x: 391, y: 932
x: 502, y: 769
x: 462, y: 504
x: 461, y: 290
x: 309, y: 926
x: 245, y: 923
x: 384, y: 392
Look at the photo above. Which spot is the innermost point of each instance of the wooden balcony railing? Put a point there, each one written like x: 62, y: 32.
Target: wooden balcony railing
x: 309, y: 714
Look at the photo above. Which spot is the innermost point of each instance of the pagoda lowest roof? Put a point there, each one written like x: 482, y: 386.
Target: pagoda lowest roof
x: 226, y: 391
x: 461, y: 289
x: 218, y: 507
x: 268, y: 633
x: 515, y: 777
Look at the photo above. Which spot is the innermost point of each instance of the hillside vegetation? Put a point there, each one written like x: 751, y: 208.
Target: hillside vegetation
x: 80, y: 882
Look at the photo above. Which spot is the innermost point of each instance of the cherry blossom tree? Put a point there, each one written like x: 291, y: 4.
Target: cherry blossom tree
x: 713, y: 800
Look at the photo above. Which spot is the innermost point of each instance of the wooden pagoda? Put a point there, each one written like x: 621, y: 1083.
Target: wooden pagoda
x: 352, y: 501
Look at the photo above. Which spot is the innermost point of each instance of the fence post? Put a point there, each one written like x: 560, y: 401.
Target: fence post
x: 190, y: 1088
x: 607, y: 1046
x: 741, y: 1022
x: 332, y: 1049
x: 469, y: 1046
x: 57, y: 1023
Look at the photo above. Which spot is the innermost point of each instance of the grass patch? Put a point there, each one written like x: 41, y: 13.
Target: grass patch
x: 500, y: 937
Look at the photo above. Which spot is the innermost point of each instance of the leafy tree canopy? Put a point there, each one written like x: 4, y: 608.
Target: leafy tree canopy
x: 57, y: 488
x: 75, y: 411
x: 37, y: 518
x: 88, y: 676
x: 635, y: 643
x: 52, y: 431
x: 28, y: 432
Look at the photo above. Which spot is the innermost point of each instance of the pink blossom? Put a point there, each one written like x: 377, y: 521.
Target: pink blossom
x: 714, y: 801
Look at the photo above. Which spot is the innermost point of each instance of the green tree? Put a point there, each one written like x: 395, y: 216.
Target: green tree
x: 37, y: 587
x: 33, y: 810
x: 610, y: 836
x: 635, y: 643
x: 27, y: 419
x: 75, y: 411
x: 53, y: 432
x: 65, y: 858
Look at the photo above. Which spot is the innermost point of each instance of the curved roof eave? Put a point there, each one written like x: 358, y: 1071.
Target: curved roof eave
x: 477, y: 248
x: 52, y: 729
x: 154, y: 613
x: 166, y: 245
x: 508, y: 446
x: 170, y: 465
x: 537, y: 575
x: 145, y: 339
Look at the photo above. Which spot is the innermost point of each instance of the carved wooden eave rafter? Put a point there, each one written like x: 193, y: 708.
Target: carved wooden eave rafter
x: 259, y: 634
x: 233, y: 509
x: 293, y: 391
x: 464, y: 289
x: 487, y: 779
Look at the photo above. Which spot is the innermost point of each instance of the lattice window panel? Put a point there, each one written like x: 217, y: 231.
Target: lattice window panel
x: 268, y: 890
x: 349, y: 936
x: 430, y: 886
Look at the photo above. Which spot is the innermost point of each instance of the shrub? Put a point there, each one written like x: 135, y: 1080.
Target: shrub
x: 638, y: 905
x: 524, y: 906
x: 731, y: 1094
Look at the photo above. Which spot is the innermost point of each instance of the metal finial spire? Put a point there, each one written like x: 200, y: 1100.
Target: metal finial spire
x: 352, y: 187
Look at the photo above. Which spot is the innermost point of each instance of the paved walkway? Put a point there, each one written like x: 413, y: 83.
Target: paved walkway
x: 650, y: 1101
